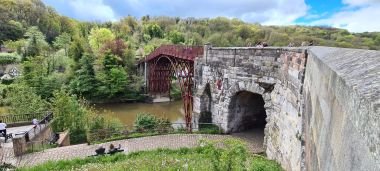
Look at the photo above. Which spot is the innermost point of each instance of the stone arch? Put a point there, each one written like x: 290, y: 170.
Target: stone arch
x: 205, y: 105
x: 246, y: 110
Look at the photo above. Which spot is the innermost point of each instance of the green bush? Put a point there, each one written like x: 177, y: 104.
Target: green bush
x: 260, y: 163
x: 149, y: 122
x: 70, y: 114
x: 175, y: 91
x: 23, y: 100
x: 208, y: 129
x: 8, y: 58
x: 232, y: 156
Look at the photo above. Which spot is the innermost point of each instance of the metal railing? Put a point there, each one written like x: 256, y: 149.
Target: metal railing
x: 11, y: 119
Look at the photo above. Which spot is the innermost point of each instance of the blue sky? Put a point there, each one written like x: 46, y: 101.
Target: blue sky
x: 353, y: 15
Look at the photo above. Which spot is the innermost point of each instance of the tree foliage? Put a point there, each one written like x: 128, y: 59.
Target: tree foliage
x: 98, y: 37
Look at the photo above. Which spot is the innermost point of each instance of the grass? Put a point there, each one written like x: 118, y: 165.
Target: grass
x: 198, y: 158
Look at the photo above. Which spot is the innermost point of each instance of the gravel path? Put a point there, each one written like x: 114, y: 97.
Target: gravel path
x: 173, y: 141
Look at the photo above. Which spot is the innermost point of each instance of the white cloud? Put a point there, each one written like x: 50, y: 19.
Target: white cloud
x: 364, y: 18
x: 273, y: 12
x: 353, y: 3
x: 92, y: 10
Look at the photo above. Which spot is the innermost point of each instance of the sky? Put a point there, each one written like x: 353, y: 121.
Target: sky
x: 353, y: 15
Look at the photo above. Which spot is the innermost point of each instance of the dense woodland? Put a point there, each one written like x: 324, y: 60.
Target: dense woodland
x: 65, y: 62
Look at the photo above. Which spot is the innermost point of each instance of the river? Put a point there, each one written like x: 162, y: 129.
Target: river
x: 127, y: 112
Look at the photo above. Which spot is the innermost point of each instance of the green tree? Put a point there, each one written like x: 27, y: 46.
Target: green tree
x: 112, y: 77
x: 35, y: 42
x: 176, y: 37
x: 63, y: 42
x: 18, y: 46
x: 22, y: 99
x: 69, y: 114
x: 76, y: 51
x: 154, y: 30
x: 98, y: 37
x: 84, y: 81
x: 244, y: 31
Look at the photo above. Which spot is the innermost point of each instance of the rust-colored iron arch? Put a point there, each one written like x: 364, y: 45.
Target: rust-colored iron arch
x: 174, y: 60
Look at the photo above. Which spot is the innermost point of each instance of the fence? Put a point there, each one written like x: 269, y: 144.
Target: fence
x: 22, y: 117
x: 110, y: 134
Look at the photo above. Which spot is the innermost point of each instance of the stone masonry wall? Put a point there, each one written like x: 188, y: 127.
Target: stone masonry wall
x: 342, y: 109
x: 322, y: 104
x: 274, y: 73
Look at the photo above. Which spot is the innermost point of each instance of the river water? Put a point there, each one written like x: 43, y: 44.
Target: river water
x: 127, y: 112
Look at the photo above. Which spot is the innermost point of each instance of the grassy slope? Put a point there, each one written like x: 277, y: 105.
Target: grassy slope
x: 161, y: 159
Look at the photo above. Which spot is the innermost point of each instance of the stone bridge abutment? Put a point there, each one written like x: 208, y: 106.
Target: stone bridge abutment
x: 302, y: 96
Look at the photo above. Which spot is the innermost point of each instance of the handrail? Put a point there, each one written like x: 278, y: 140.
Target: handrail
x: 11, y: 118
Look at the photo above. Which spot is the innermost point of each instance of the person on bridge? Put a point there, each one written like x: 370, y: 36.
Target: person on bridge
x: 35, y: 123
x: 3, y: 129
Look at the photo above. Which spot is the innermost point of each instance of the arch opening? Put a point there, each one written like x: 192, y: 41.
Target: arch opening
x: 246, y: 112
x: 205, y: 105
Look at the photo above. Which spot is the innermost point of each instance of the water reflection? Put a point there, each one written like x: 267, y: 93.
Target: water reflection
x: 127, y: 112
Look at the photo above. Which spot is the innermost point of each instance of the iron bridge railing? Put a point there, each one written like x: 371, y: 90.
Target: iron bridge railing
x: 19, y: 118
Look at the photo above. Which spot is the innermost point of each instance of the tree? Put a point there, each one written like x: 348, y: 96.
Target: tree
x: 11, y: 30
x: 18, y: 46
x: 24, y: 100
x: 98, y: 37
x: 154, y: 30
x: 113, y: 82
x: 35, y: 74
x: 244, y: 31
x: 76, y: 51
x: 112, y: 77
x: 63, y: 42
x: 35, y: 42
x: 84, y: 81
x: 176, y: 37
x: 118, y: 48
x: 218, y: 39
x: 220, y: 24
x: 69, y: 114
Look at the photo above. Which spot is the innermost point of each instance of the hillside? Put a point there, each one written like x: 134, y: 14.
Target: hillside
x: 150, y: 32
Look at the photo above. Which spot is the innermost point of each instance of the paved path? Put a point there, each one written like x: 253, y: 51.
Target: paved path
x: 13, y: 131
x: 173, y: 141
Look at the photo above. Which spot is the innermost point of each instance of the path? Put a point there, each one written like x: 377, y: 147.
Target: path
x: 13, y: 131
x: 173, y: 141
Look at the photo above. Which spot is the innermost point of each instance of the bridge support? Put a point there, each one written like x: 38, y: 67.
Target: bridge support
x: 163, y: 70
x: 174, y: 62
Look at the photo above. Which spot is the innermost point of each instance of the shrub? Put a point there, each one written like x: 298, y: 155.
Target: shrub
x: 23, y: 100
x: 208, y: 129
x: 175, y: 91
x: 260, y: 163
x: 149, y: 122
x: 8, y: 58
x: 232, y: 155
x: 69, y: 114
